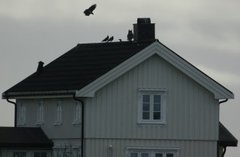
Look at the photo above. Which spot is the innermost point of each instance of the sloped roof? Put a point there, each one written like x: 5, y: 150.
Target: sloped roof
x: 78, y: 67
x: 17, y: 137
x: 88, y: 67
x: 225, y: 137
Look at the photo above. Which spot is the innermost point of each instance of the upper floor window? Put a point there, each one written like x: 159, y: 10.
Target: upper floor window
x: 22, y: 115
x: 40, y: 113
x: 58, y: 120
x: 152, y: 106
x: 77, y: 113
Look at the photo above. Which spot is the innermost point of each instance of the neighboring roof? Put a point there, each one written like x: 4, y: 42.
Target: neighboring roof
x: 225, y: 137
x: 16, y: 137
x: 88, y: 67
x: 78, y: 67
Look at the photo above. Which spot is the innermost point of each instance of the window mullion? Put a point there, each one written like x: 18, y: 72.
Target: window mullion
x: 151, y: 107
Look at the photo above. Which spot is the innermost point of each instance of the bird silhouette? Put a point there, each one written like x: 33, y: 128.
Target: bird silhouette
x: 130, y: 35
x: 89, y: 11
x: 111, y: 38
x: 105, y: 39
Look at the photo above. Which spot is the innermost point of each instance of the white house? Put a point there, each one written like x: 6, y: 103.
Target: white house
x: 120, y: 99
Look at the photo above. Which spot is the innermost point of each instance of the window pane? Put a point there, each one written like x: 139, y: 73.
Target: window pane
x: 157, y: 103
x: 133, y: 155
x: 146, y: 106
x: 146, y: 115
x: 170, y: 155
x: 43, y: 154
x: 37, y: 154
x: 146, y: 98
x: 157, y: 99
x: 19, y: 154
x: 158, y: 155
x: 157, y: 115
x: 157, y: 107
x: 144, y: 154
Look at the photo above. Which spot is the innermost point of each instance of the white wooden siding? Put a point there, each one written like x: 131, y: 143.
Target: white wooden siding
x: 101, y: 147
x: 65, y: 130
x: 192, y: 111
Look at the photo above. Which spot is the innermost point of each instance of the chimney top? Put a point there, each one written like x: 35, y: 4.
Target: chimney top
x: 144, y: 30
x: 143, y: 20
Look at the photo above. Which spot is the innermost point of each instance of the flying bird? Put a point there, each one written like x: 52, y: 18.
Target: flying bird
x: 89, y: 11
x: 105, y: 39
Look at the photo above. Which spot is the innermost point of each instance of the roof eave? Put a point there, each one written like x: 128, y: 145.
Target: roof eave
x: 219, y: 91
x: 35, y: 94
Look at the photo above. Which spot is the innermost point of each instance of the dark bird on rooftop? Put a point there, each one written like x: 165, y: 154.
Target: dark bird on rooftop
x: 105, y: 39
x: 111, y: 38
x: 89, y: 11
x: 130, y: 35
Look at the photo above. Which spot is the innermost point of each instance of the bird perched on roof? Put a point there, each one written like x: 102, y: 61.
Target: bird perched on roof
x: 89, y: 11
x: 105, y: 39
x: 111, y: 38
x: 130, y: 35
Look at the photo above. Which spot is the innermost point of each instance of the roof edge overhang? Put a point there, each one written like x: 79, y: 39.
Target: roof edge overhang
x: 36, y: 94
x: 219, y: 91
x: 226, y: 138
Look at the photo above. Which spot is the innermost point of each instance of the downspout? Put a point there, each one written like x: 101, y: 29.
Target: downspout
x: 224, y: 148
x: 15, y: 111
x: 223, y: 101
x: 224, y: 151
x: 82, y: 126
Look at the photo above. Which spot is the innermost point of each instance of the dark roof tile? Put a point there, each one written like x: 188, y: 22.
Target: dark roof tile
x: 24, y: 137
x: 225, y: 137
x: 79, y: 67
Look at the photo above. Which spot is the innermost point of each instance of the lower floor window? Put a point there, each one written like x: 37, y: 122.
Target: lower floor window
x: 19, y: 154
x: 40, y: 154
x: 152, y: 153
x: 66, y: 152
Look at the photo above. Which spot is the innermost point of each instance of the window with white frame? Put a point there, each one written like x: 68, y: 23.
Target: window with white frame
x: 152, y: 153
x: 58, y: 120
x: 40, y: 113
x: 22, y: 115
x: 77, y: 113
x: 40, y: 154
x: 152, y: 106
x: 19, y: 154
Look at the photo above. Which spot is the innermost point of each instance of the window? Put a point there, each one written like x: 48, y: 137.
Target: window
x: 40, y: 154
x: 58, y: 120
x: 152, y: 153
x: 19, y: 154
x: 77, y: 113
x: 152, y: 106
x: 40, y: 113
x: 22, y: 114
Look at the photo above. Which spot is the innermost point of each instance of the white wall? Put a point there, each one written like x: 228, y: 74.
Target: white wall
x: 192, y: 112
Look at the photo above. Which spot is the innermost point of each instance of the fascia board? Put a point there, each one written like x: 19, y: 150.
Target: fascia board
x: 219, y: 91
x: 90, y: 89
x: 38, y: 94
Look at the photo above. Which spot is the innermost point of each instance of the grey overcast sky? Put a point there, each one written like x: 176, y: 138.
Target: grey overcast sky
x: 205, y: 32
